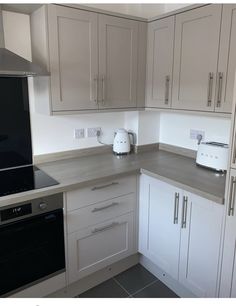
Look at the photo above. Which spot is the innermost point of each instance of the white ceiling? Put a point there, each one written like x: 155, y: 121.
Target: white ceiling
x: 145, y: 10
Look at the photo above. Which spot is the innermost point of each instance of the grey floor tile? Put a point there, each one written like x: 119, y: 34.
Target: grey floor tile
x: 156, y: 290
x: 135, y: 278
x: 108, y: 289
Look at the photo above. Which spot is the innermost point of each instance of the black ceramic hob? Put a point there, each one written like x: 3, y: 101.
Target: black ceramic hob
x: 24, y: 179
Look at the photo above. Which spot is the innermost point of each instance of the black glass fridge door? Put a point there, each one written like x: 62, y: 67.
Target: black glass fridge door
x: 31, y: 249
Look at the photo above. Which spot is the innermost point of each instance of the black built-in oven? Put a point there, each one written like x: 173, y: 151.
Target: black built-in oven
x: 31, y: 243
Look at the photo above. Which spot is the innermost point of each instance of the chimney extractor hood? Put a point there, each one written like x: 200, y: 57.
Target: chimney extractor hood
x: 12, y: 64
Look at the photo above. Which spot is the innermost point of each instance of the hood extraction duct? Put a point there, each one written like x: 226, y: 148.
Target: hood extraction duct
x: 12, y: 64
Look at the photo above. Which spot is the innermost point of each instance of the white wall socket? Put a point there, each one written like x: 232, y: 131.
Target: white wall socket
x: 92, y: 132
x: 195, y: 133
x: 78, y: 133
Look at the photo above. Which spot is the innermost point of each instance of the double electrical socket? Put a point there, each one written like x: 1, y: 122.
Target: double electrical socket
x: 90, y: 132
x: 194, y: 134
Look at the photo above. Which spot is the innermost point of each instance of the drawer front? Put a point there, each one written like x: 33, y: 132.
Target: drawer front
x: 94, y: 248
x: 100, y: 192
x: 100, y: 212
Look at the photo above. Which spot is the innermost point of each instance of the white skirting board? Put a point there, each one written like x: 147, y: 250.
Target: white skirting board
x: 173, y: 284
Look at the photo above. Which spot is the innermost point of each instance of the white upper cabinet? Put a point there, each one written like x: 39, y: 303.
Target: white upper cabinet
x: 96, y: 61
x: 118, y: 62
x: 227, y: 60
x: 73, y: 52
x: 73, y: 58
x: 160, y: 62
x: 196, y: 47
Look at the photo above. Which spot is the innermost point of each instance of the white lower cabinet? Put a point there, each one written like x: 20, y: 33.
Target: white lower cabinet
x: 228, y: 273
x: 101, y: 226
x: 95, y: 247
x: 200, y: 245
x: 181, y: 234
x: 159, y: 224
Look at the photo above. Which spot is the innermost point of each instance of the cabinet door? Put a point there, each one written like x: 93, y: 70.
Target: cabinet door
x: 159, y: 224
x: 73, y: 49
x: 195, y: 59
x: 160, y: 62
x: 228, y: 273
x: 95, y: 247
x: 118, y: 54
x: 227, y: 60
x: 200, y: 245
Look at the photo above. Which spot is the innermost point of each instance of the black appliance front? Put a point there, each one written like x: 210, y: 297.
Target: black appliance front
x: 15, y: 133
x: 31, y: 249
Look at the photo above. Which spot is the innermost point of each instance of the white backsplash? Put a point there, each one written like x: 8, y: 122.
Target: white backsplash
x: 175, y: 129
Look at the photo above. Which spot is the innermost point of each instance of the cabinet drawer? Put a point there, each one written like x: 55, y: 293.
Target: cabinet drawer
x: 100, y: 192
x: 100, y: 212
x: 94, y: 248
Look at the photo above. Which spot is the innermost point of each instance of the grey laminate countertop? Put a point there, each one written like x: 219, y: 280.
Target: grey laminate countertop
x: 172, y: 168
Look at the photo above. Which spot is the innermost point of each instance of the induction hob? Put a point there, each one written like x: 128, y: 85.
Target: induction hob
x: 24, y: 179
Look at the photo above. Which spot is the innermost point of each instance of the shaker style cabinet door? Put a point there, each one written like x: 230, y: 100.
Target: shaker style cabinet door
x: 227, y: 60
x: 200, y: 245
x: 160, y: 62
x: 159, y: 223
x: 228, y: 273
x: 93, y: 248
x: 195, y: 60
x: 118, y: 61
x: 73, y: 50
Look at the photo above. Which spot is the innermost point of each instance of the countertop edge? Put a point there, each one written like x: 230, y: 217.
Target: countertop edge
x: 177, y: 184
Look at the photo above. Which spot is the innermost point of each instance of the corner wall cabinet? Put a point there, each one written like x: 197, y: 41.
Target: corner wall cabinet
x: 199, y: 46
x: 93, y: 59
x: 181, y: 234
x: 160, y: 62
x: 195, y: 59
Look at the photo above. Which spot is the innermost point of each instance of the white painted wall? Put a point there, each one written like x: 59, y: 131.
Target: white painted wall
x: 17, y: 33
x: 175, y: 129
x: 145, y: 125
x: 145, y: 10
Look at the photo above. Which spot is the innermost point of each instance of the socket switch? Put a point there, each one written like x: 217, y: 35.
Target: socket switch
x: 92, y: 132
x: 195, y: 133
x: 78, y: 133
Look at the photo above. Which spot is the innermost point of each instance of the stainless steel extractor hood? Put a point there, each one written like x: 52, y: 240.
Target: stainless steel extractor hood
x: 12, y: 64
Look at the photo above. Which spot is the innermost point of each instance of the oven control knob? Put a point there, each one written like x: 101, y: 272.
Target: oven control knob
x: 42, y: 205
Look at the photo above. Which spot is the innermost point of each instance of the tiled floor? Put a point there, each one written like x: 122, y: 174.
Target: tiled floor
x: 135, y: 282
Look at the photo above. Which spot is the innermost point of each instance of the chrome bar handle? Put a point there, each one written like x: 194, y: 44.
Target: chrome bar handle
x: 96, y: 209
x: 232, y: 196
x: 234, y: 150
x: 95, y: 80
x: 103, y: 89
x: 219, y: 93
x: 104, y: 228
x: 167, y: 85
x: 184, y: 212
x: 104, y: 186
x: 209, y: 91
x: 176, y: 208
